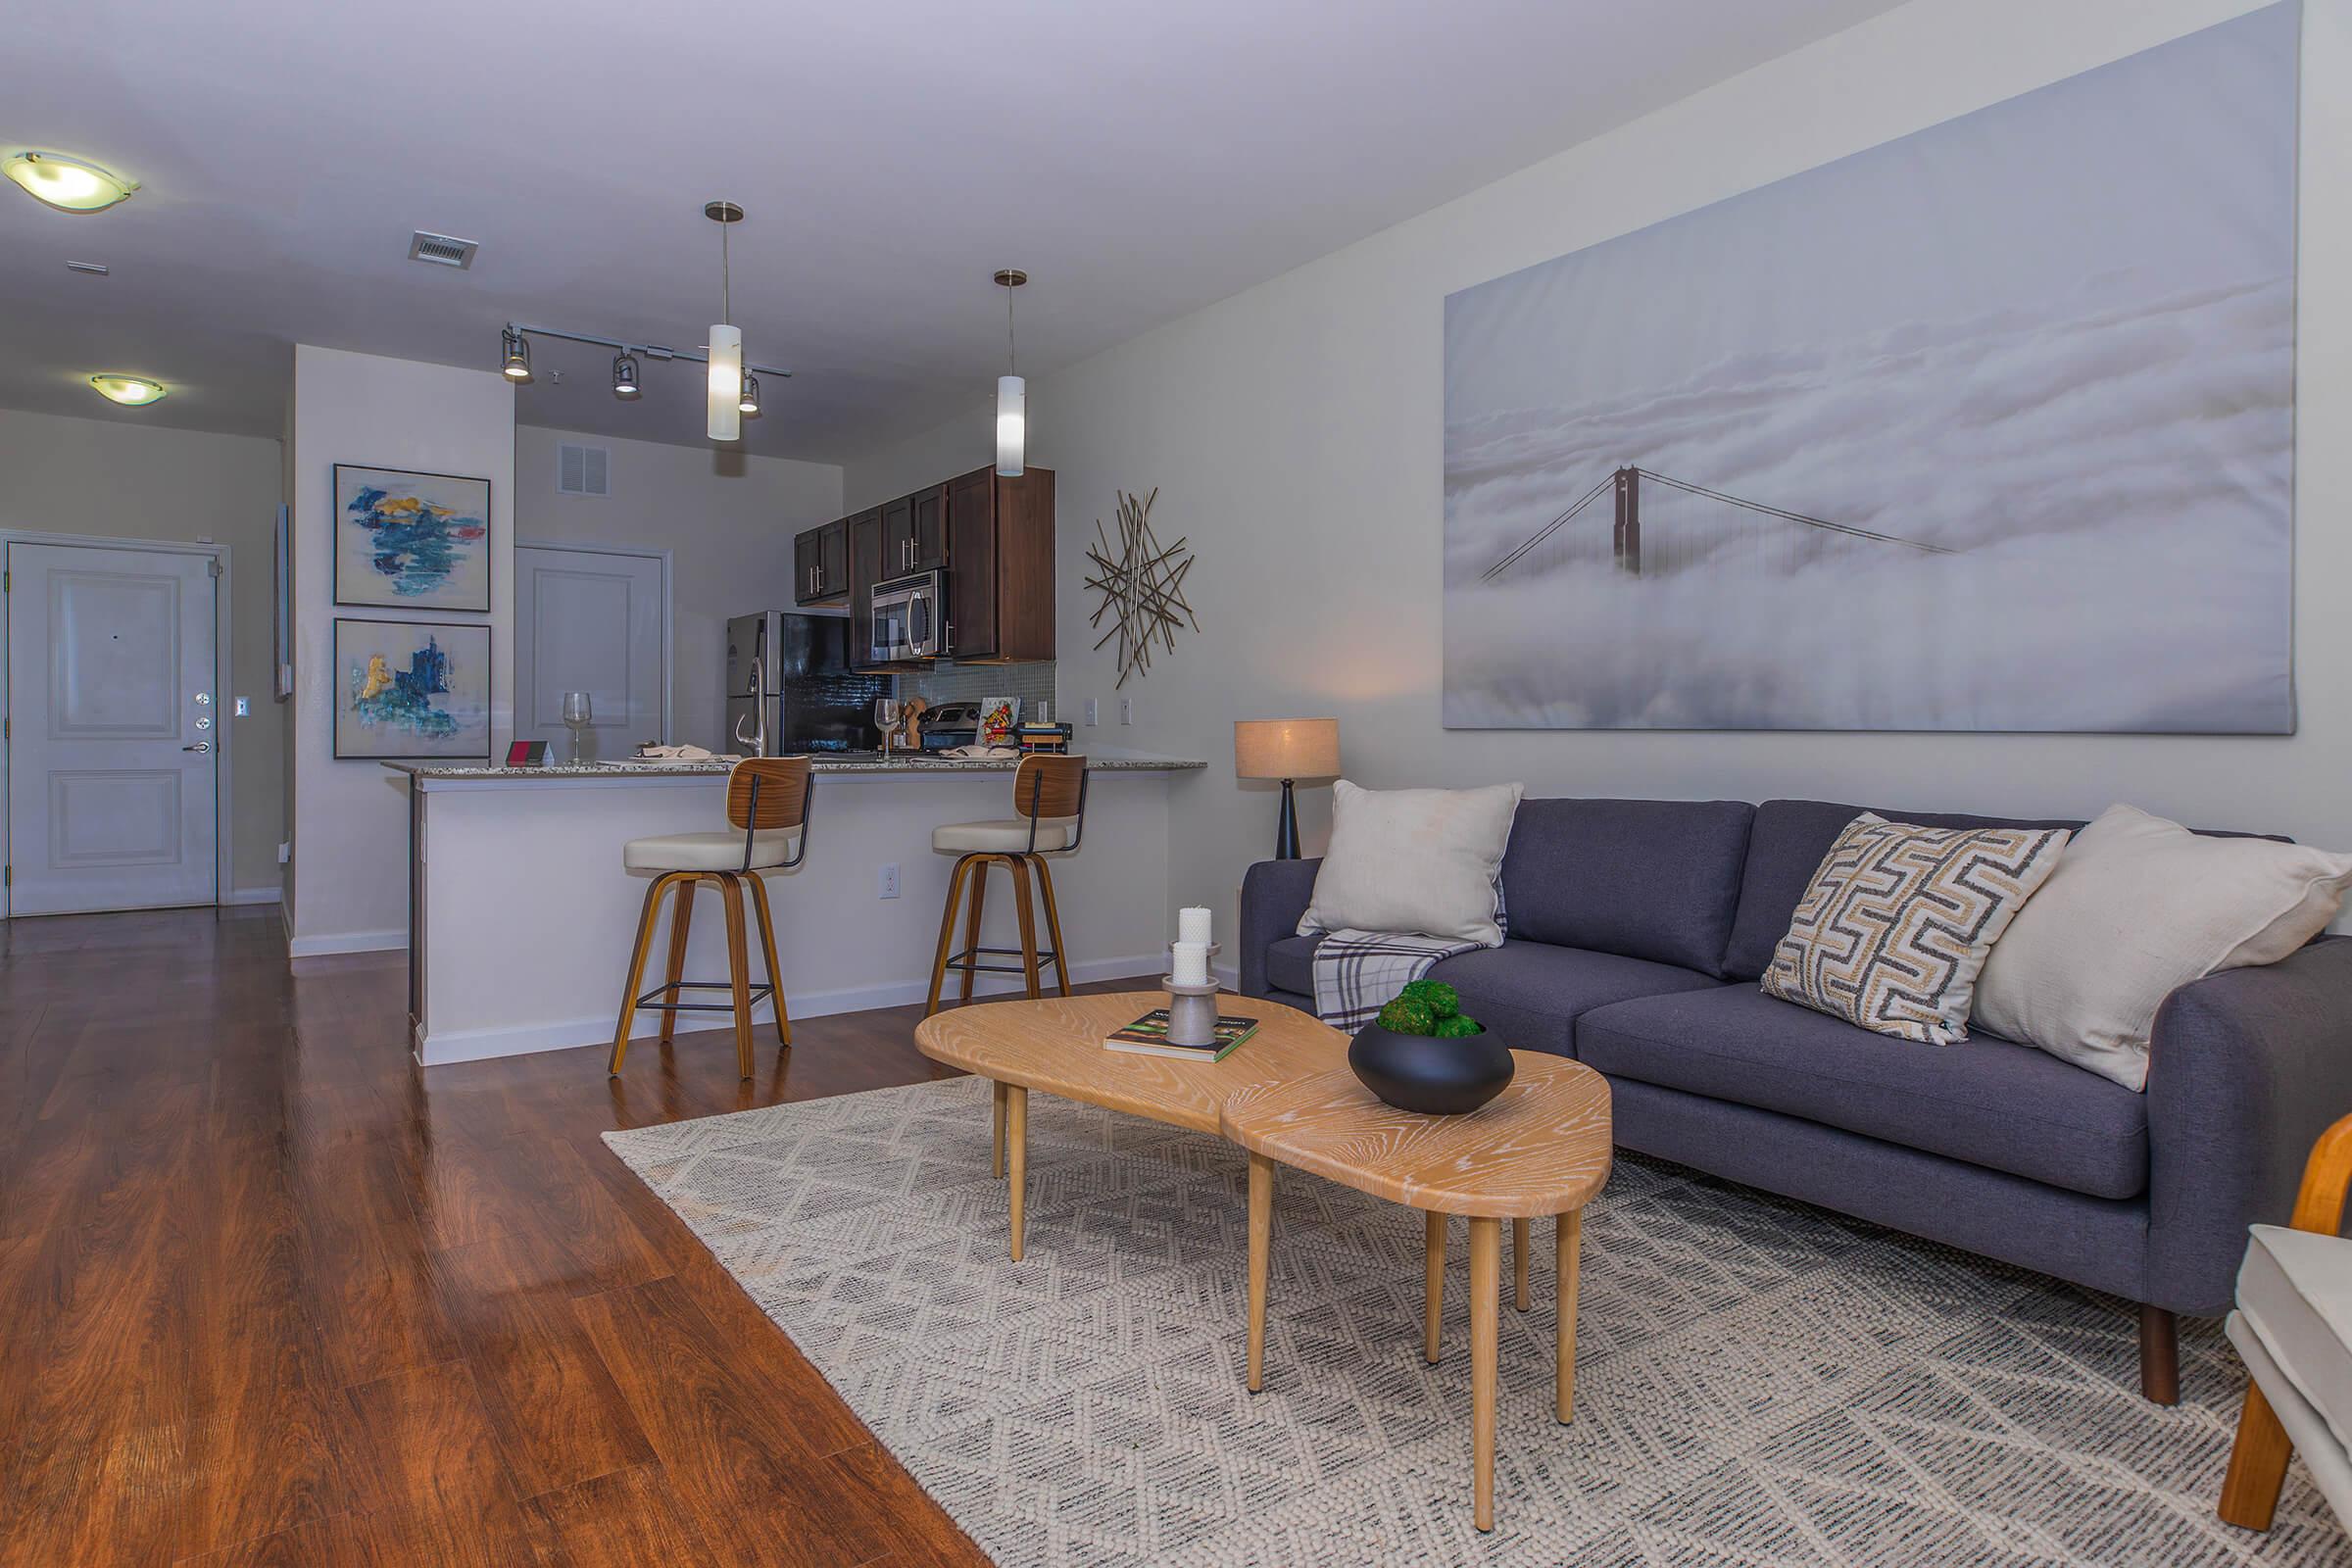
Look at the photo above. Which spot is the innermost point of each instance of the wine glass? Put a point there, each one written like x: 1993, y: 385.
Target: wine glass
x: 578, y: 713
x: 887, y: 713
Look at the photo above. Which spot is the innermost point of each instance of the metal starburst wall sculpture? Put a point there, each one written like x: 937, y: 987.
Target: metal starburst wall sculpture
x: 1142, y: 586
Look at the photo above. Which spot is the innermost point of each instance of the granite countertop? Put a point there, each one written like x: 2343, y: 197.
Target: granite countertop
x: 1132, y: 763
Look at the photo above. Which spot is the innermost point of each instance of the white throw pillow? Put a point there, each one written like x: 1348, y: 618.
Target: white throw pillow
x: 2138, y: 908
x: 1414, y: 860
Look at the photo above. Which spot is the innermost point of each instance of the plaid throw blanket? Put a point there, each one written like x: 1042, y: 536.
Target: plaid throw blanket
x: 1356, y: 972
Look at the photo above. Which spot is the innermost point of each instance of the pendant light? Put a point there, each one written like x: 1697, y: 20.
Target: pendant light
x: 1013, y: 394
x: 624, y: 377
x: 725, y: 422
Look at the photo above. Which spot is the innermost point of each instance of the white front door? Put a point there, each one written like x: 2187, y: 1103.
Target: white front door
x: 113, y: 730
x: 594, y: 621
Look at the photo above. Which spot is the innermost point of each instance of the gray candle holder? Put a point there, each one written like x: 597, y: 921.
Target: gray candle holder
x: 1192, y: 1010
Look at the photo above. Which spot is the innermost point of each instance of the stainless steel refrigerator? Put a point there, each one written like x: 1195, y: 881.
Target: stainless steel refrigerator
x: 798, y: 669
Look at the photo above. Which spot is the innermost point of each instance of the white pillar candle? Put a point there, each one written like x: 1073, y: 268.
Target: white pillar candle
x: 1192, y: 964
x: 1192, y: 924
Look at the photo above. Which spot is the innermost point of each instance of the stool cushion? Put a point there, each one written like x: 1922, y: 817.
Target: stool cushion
x: 2296, y: 1292
x: 1009, y: 836
x: 709, y: 852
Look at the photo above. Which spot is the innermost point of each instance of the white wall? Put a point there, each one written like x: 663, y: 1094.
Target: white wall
x: 130, y: 481
x: 1294, y: 432
x: 727, y: 519
x: 351, y: 821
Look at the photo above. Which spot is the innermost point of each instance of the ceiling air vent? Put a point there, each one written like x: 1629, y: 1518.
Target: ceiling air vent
x: 442, y: 250
x: 583, y: 471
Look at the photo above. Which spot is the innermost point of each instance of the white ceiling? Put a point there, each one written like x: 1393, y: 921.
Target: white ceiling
x: 1139, y: 160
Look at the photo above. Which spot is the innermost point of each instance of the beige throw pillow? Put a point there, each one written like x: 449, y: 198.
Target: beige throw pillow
x: 1896, y: 922
x: 1414, y: 860
x: 2139, y: 908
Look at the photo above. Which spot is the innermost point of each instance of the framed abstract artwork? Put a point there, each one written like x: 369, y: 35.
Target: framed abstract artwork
x: 414, y: 541
x: 412, y: 689
x: 1990, y: 427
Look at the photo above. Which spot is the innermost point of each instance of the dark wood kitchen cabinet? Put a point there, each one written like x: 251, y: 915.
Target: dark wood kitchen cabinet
x: 820, y: 563
x: 1000, y: 573
x: 914, y: 533
x: 865, y: 570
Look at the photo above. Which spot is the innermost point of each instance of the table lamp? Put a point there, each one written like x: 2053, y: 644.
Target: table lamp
x: 1287, y: 749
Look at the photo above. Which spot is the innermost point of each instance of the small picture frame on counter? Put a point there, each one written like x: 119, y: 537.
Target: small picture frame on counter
x: 527, y: 754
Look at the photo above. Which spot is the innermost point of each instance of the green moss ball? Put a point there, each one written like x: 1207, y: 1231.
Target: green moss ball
x: 1459, y: 1027
x: 1408, y: 1016
x: 1442, y: 998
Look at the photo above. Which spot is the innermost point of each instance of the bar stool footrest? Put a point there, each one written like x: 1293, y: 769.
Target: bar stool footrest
x: 754, y: 993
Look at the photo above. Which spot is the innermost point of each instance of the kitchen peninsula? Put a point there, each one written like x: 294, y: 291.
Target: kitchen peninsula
x: 522, y: 917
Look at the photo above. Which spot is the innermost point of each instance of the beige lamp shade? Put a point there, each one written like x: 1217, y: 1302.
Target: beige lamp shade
x: 1286, y: 747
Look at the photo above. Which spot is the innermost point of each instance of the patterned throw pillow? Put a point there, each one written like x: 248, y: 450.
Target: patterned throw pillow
x: 1898, y: 919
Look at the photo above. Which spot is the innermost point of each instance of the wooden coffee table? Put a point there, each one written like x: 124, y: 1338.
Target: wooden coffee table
x: 1542, y: 1147
x: 1054, y: 1044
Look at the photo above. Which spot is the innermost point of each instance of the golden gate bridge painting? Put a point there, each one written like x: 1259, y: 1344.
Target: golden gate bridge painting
x: 1987, y: 428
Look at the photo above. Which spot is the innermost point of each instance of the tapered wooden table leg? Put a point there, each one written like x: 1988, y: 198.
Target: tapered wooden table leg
x: 1261, y: 1239
x: 1569, y: 1228
x: 1519, y: 1296
x: 1016, y: 1146
x: 1486, y: 1285
x: 1433, y: 1286
x: 997, y: 1096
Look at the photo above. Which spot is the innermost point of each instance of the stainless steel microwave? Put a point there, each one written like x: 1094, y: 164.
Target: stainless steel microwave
x: 909, y: 617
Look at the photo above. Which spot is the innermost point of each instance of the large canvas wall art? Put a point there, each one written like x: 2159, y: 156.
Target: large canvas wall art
x: 1987, y: 428
x: 412, y: 689
x: 419, y: 541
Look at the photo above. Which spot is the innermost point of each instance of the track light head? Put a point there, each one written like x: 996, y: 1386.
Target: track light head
x: 624, y: 377
x: 749, y: 402
x: 516, y: 366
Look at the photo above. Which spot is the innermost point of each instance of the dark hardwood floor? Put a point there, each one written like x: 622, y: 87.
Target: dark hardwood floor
x: 269, y: 1293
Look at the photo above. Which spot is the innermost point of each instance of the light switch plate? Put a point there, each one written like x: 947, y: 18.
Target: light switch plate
x: 1126, y: 710
x: 244, y: 708
x: 1092, y: 716
x: 885, y: 886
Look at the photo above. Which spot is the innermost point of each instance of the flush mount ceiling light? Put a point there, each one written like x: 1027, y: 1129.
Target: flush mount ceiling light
x: 749, y: 404
x: 1013, y: 393
x: 624, y: 377
x: 131, y: 391
x: 516, y: 362
x: 725, y: 418
x: 68, y: 185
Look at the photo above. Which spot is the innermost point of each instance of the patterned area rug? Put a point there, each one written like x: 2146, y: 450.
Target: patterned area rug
x: 1758, y: 1383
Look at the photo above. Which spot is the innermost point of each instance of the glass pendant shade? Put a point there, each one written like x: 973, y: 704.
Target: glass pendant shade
x: 726, y: 383
x: 1012, y: 425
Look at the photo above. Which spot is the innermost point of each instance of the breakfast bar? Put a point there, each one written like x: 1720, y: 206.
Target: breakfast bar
x: 521, y: 915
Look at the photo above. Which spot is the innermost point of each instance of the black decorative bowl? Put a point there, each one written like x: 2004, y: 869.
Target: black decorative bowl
x: 1424, y: 1073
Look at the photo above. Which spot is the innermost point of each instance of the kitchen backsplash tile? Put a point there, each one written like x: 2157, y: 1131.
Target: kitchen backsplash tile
x: 1032, y: 683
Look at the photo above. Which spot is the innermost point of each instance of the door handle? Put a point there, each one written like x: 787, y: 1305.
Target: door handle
x: 200, y: 746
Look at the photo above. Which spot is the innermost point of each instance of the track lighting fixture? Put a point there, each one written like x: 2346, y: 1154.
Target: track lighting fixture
x: 624, y: 377
x: 518, y: 357
x: 749, y: 404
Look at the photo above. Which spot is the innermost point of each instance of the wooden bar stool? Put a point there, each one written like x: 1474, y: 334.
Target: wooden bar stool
x: 1050, y: 794
x: 768, y: 801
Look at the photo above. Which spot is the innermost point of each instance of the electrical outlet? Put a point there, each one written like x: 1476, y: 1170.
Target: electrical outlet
x: 887, y: 884
x: 1126, y: 710
x: 1091, y: 717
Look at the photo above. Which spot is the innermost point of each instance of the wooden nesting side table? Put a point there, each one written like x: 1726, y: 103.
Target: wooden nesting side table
x: 1539, y: 1147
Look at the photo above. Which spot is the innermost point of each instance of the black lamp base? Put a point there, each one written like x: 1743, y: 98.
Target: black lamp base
x: 1285, y: 831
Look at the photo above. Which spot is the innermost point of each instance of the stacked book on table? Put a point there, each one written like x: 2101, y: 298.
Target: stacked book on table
x: 1147, y: 1036
x: 1036, y: 737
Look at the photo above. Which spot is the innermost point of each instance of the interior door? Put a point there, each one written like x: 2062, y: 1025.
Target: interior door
x: 594, y: 621
x: 114, y: 730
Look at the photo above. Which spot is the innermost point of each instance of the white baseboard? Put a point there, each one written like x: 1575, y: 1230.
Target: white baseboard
x: 347, y: 941
x: 480, y: 1044
x: 269, y: 894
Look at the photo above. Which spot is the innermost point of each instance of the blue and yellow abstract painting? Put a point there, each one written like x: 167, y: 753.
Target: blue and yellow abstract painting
x: 416, y: 540
x: 409, y: 688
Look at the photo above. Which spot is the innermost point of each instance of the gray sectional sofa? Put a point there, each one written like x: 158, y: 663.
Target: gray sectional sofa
x: 1638, y: 932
